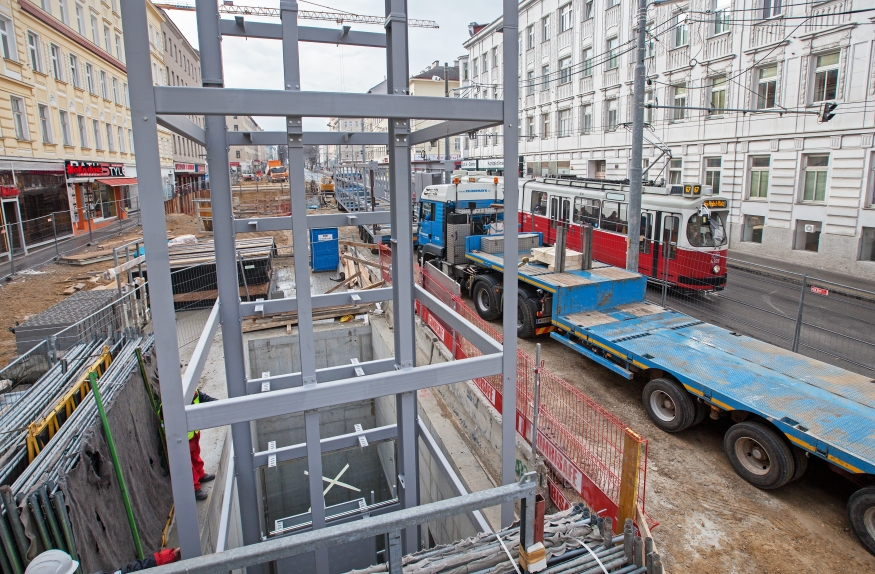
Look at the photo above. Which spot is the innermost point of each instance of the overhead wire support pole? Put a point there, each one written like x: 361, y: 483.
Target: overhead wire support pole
x: 636, y: 183
x: 510, y: 29
x: 160, y: 290
x: 212, y: 76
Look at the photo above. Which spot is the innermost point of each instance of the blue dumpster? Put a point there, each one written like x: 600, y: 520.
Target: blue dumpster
x: 324, y: 249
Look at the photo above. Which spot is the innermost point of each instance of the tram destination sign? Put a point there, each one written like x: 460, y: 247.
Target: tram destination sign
x: 714, y: 203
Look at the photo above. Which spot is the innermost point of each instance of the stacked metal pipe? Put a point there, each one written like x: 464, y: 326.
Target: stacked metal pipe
x: 36, y: 486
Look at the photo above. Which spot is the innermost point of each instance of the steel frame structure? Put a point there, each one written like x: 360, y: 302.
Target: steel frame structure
x: 310, y: 389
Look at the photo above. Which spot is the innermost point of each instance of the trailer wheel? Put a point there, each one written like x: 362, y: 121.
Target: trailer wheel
x: 861, y: 515
x: 759, y: 455
x: 702, y: 412
x: 486, y: 300
x: 525, y: 317
x: 800, y: 459
x: 669, y: 405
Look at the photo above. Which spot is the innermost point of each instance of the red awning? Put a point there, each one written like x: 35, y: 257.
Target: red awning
x: 117, y: 181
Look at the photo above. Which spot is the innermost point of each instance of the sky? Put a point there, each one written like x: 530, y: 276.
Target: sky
x: 253, y: 63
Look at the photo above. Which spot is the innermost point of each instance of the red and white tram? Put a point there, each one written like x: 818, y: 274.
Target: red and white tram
x: 683, y: 227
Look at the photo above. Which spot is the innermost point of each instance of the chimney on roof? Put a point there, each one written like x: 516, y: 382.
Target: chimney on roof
x: 455, y: 63
x: 435, y: 64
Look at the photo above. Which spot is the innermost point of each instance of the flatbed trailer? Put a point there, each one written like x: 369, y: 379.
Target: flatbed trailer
x: 786, y: 407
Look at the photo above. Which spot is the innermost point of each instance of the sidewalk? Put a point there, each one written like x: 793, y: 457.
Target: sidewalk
x: 835, y: 281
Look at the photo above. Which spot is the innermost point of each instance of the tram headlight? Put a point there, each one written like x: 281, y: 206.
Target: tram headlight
x: 716, y: 269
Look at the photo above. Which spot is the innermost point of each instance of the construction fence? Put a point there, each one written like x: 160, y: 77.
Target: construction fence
x: 586, y: 448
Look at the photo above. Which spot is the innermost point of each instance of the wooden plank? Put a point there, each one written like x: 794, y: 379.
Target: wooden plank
x: 360, y: 260
x: 344, y: 284
x: 629, y: 477
x: 590, y: 319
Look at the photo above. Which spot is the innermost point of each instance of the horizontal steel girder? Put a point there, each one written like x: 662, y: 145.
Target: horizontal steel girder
x: 446, y: 129
x: 184, y: 127
x: 292, y: 380
x: 284, y: 223
x: 310, y: 138
x: 270, y: 31
x: 301, y: 399
x: 176, y: 100
x: 339, y: 442
x: 290, y: 304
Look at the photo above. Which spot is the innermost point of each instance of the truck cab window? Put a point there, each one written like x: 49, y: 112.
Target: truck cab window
x: 539, y: 203
x: 426, y: 211
x: 586, y: 211
x: 706, y: 230
x: 614, y: 216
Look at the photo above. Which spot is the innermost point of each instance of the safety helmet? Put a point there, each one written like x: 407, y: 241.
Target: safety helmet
x: 52, y: 562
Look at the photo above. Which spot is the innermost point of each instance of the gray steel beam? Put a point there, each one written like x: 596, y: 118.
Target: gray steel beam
x: 185, y: 127
x: 284, y: 547
x: 292, y: 380
x: 319, y: 301
x: 310, y: 138
x: 510, y: 73
x: 330, y: 444
x: 301, y: 399
x: 270, y: 31
x: 195, y: 368
x: 401, y: 206
x: 188, y: 101
x: 445, y: 129
x: 226, y: 269
x: 322, y: 220
x: 160, y: 289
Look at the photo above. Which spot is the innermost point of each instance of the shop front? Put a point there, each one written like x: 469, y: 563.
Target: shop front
x: 190, y: 177
x: 34, y: 207
x: 101, y: 193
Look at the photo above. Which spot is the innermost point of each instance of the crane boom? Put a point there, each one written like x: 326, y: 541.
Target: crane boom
x: 339, y: 17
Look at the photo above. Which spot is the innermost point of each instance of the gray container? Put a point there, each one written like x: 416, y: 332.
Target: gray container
x: 90, y: 305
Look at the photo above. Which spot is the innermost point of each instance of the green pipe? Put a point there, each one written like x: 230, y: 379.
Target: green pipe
x: 115, y: 463
x: 15, y: 520
x: 4, y: 563
x: 156, y: 404
x: 66, y: 528
x: 9, y: 546
x: 33, y: 505
x: 51, y: 520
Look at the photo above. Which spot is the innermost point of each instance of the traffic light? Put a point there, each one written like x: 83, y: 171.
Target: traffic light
x: 826, y: 111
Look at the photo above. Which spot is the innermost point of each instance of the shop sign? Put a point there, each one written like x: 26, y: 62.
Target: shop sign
x: 469, y: 164
x: 8, y: 191
x: 495, y: 163
x: 185, y: 167
x: 75, y: 169
x: 235, y: 164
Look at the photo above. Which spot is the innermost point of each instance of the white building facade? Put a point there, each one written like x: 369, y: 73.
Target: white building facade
x: 802, y: 190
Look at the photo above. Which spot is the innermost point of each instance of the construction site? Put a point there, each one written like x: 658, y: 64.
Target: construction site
x: 342, y: 351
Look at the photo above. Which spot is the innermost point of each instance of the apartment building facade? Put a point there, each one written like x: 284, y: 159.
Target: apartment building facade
x: 182, y: 68
x: 801, y: 190
x: 249, y: 159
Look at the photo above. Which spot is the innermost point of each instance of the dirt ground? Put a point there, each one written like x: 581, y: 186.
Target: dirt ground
x: 712, y: 520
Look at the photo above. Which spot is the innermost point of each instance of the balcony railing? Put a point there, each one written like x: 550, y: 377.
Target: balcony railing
x: 768, y: 32
x: 530, y: 100
x: 564, y: 39
x: 544, y: 97
x: 565, y: 90
x: 612, y: 16
x: 586, y: 28
x: 718, y: 46
x: 612, y: 77
x: 586, y: 85
x: 679, y: 58
x: 828, y: 14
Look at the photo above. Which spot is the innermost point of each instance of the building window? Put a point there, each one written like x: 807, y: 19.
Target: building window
x: 807, y: 235
x: 587, y: 62
x: 587, y: 9
x: 104, y: 89
x: 237, y: 154
x: 565, y: 22
x: 718, y: 95
x: 74, y: 72
x: 80, y: 19
x: 816, y: 167
x: 712, y: 173
x: 118, y: 48
x: 19, y: 120
x: 722, y: 20
x: 613, y: 57
x: 494, y: 57
x: 530, y: 82
x: 89, y: 78
x: 565, y: 70
x: 56, y: 61
x: 586, y: 118
x: 34, y: 52
x: 826, y: 77
x: 7, y: 39
x: 236, y: 128
x: 95, y: 37
x: 611, y: 114
x: 116, y: 97
x: 545, y: 126
x: 681, y: 31
x: 753, y: 228
x: 45, y: 123
x: 767, y: 86
x: 66, y: 134
x: 476, y: 71
x: 867, y: 244
x: 530, y: 38
x: 106, y: 39
x: 759, y: 177
x: 564, y: 123
x: 771, y: 8
x: 131, y: 140
x: 65, y: 14
x: 83, y: 131
x: 675, y: 171
x: 95, y: 128
x: 110, y: 141
x: 545, y: 29
x: 530, y: 127
x: 465, y: 70
x: 679, y: 95
x: 545, y: 78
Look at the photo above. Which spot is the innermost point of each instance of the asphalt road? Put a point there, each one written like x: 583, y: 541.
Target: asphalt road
x: 836, y: 328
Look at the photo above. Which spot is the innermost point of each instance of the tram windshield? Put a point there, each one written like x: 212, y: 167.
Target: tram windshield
x: 706, y: 230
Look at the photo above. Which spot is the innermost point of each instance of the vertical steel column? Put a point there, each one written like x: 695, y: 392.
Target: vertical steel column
x: 300, y: 240
x: 209, y: 38
x: 402, y: 260
x: 635, y: 170
x: 510, y: 27
x: 145, y: 129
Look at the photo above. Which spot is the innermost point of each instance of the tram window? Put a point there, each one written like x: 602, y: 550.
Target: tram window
x: 706, y: 230
x: 646, y: 232
x: 426, y: 211
x: 614, y: 216
x: 539, y: 203
x: 586, y: 211
x: 566, y: 209
x: 554, y: 208
x: 670, y: 235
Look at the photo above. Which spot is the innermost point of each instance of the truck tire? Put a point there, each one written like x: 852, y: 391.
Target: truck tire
x: 486, y: 301
x: 861, y: 515
x: 525, y: 317
x: 759, y: 455
x: 800, y: 459
x: 669, y: 405
x: 702, y: 412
